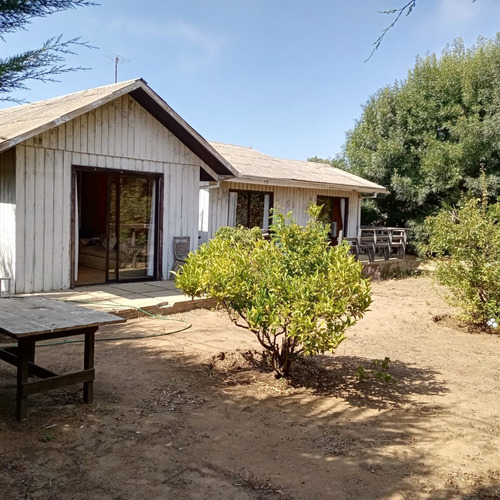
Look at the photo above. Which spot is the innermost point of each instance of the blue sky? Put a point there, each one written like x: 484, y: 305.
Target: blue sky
x: 286, y: 77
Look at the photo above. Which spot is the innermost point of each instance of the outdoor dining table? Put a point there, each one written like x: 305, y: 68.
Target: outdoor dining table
x: 32, y: 319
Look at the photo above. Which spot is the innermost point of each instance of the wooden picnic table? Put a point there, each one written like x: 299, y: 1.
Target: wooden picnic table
x: 31, y: 319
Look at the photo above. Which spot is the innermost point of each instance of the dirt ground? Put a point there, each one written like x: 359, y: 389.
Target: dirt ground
x: 191, y: 415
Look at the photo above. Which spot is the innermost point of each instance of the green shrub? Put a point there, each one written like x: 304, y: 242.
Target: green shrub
x: 465, y: 243
x: 297, y: 294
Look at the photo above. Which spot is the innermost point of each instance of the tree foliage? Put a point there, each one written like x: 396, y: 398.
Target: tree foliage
x: 425, y: 138
x: 42, y: 63
x: 293, y: 291
x: 466, y: 244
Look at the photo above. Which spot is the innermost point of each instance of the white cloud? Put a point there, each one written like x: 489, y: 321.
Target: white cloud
x: 191, y: 47
x: 458, y: 12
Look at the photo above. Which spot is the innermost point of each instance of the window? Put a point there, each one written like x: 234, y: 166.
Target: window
x: 249, y: 208
x: 334, y: 214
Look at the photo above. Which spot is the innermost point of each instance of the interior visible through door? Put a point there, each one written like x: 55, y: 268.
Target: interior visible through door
x: 116, y: 228
x: 334, y: 214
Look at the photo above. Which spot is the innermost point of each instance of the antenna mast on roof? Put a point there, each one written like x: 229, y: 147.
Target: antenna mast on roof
x: 117, y: 60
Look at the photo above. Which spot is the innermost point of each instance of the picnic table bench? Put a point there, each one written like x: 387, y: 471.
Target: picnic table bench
x: 378, y: 240
x: 31, y: 319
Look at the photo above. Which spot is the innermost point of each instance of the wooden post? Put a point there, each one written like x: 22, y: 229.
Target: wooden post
x: 26, y: 349
x: 88, y: 363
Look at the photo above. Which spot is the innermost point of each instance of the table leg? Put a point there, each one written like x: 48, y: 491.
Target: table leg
x: 88, y: 362
x: 26, y: 350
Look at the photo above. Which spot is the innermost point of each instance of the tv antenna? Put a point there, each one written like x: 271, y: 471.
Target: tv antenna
x: 118, y: 60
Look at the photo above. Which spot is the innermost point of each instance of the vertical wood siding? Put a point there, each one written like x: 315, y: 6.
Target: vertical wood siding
x: 119, y: 135
x: 7, y: 214
x: 290, y: 199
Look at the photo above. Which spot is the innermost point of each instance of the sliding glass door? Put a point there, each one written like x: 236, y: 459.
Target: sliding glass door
x: 118, y: 231
x: 132, y: 227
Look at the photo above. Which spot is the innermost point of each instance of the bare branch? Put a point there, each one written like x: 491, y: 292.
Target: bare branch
x: 406, y: 10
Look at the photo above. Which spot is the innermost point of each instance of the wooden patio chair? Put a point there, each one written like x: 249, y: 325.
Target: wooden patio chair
x: 182, y: 245
x: 398, y: 242
x: 366, y: 243
x: 383, y: 242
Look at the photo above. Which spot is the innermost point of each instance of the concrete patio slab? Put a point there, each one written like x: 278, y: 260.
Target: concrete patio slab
x: 131, y: 300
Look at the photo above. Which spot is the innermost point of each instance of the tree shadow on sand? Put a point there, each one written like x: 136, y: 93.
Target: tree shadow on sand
x: 359, y: 381
x: 363, y: 383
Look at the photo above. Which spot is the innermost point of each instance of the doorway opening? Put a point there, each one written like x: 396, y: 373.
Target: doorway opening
x: 334, y: 215
x: 116, y: 226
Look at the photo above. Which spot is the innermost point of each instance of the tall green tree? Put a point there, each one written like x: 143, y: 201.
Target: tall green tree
x: 426, y: 138
x: 42, y: 63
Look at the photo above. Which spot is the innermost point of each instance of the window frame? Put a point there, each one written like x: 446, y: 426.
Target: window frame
x: 248, y: 193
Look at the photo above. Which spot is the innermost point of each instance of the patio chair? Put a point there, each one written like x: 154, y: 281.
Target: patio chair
x: 366, y: 243
x: 182, y: 246
x: 383, y: 243
x: 398, y: 242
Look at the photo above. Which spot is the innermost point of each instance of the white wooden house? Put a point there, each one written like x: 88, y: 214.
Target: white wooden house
x: 262, y: 182
x: 95, y: 185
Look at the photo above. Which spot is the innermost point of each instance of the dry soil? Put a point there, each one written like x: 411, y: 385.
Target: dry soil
x: 193, y: 415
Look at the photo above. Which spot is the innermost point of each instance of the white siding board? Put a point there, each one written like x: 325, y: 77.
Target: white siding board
x: 66, y: 227
x: 7, y: 214
x: 38, y: 223
x: 20, y: 217
x: 68, y: 126
x: 48, y: 220
x: 61, y: 137
x: 29, y: 217
x: 53, y: 138
x: 91, y: 131
x: 57, y: 236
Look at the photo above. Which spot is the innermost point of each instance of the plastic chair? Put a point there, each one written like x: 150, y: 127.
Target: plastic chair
x: 182, y: 245
x: 8, y: 292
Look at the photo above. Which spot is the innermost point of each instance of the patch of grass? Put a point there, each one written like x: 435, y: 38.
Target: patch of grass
x: 379, y: 371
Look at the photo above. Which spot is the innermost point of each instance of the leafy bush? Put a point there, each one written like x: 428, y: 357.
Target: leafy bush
x: 297, y: 294
x: 466, y: 244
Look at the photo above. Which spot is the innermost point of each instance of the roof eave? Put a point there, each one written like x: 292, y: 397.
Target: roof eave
x: 155, y: 105
x: 266, y: 181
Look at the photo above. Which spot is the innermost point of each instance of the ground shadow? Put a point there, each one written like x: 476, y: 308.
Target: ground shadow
x: 185, y: 421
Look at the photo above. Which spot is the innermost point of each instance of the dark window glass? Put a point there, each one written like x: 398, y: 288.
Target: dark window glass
x: 250, y: 208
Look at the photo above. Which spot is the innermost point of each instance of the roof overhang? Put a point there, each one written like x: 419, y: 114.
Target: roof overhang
x: 218, y: 167
x: 306, y: 184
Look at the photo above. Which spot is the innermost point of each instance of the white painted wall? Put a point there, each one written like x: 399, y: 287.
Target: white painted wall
x: 120, y: 135
x: 290, y: 199
x: 7, y: 215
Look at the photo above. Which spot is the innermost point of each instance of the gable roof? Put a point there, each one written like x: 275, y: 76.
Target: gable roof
x: 20, y: 123
x: 258, y: 167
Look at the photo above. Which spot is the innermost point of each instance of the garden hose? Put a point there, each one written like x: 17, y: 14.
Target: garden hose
x: 111, y: 339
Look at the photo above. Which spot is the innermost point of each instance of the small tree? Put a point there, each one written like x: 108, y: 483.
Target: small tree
x: 466, y: 244
x: 297, y: 294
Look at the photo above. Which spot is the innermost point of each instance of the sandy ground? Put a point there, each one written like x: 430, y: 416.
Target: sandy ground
x: 191, y: 416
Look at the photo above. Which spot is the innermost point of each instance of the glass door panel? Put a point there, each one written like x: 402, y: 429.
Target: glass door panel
x: 113, y: 210
x: 136, y: 227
